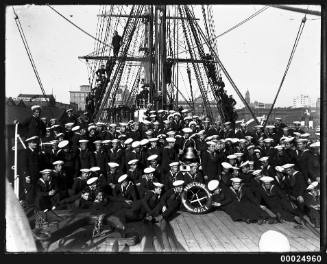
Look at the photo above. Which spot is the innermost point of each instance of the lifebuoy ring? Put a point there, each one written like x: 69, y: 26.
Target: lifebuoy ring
x: 196, y: 198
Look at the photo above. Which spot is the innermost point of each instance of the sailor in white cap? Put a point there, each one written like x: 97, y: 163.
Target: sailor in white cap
x: 232, y: 159
x: 154, y: 149
x: 312, y: 202
x: 115, y: 154
x: 146, y: 182
x: 151, y: 200
x: 113, y: 174
x: 217, y: 195
x: 133, y: 172
x: 45, y: 190
x: 274, y: 241
x: 296, y: 182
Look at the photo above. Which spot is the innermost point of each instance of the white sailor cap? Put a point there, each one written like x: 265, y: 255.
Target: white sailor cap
x: 128, y: 141
x: 46, y: 171
x: 100, y: 124
x: 152, y: 157
x: 91, y: 180
x: 297, y: 122
x: 85, y: 170
x: 201, y: 132
x: 156, y: 123
x: 97, y: 142
x: 133, y: 161
x: 106, y: 141
x: 248, y: 137
x: 305, y: 135
x: 122, y: 178
x: 34, y: 107
x: 187, y: 118
x: 249, y: 121
x: 58, y: 162
x: 70, y: 124
x: 195, y: 116
x: 175, y: 163
x: 279, y: 147
x: 243, y: 124
x: 302, y: 140
x: 32, y: 138
x: 123, y: 124
x: 83, y: 141
x: 149, y: 132
x: 162, y: 136
x: 312, y: 185
x: 266, y: 179
x: 235, y: 168
x: 231, y: 156
x: 251, y: 162
x: 76, y: 128
x: 158, y: 184
x: 268, y: 140
x: 91, y: 127
x: 239, y: 121
x: 177, y: 113
x: 135, y: 144
x: 315, y: 145
x: 236, y: 180
x: 288, y: 165
x: 270, y: 126
x: 227, y: 123
x: 55, y: 126
x: 153, y: 139
x: 256, y: 172
x: 297, y: 133
x: 153, y: 116
x: 238, y: 154
x: 246, y: 163
x: 113, y: 164
x: 178, y: 183
x: 235, y: 140
x: 166, y: 121
x: 285, y: 128
x: 278, y: 118
x: 115, y: 140
x: 144, y: 141
x: 263, y: 159
x: 213, y: 185
x: 279, y: 168
x: 59, y: 135
x: 273, y: 241
x: 288, y: 139
x: 63, y: 144
x: 146, y: 122
x: 187, y: 130
x: 112, y: 125
x: 95, y: 169
x: 149, y: 170
x: 211, y: 143
x: 170, y: 140
x: 48, y: 128
x: 185, y: 111
x: 242, y: 140
x: 249, y: 147
x: 161, y: 111
x: 226, y: 165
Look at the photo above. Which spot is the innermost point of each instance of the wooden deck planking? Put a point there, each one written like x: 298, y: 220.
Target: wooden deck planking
x: 250, y: 239
x: 202, y: 241
x: 232, y: 234
x: 224, y: 235
x: 191, y: 241
x: 178, y: 234
x: 204, y: 229
x: 210, y: 231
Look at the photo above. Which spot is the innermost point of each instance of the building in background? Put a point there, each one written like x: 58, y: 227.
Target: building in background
x: 247, y: 97
x: 78, y: 97
x: 302, y: 101
x: 318, y: 103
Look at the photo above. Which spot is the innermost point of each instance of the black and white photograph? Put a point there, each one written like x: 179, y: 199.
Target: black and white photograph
x: 163, y: 128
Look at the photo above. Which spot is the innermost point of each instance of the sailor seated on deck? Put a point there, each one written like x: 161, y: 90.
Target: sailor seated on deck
x: 312, y: 202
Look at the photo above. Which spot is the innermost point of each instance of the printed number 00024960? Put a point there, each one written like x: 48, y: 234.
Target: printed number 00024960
x: 300, y: 258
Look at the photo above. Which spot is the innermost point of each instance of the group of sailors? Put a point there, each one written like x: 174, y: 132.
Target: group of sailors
x: 138, y: 170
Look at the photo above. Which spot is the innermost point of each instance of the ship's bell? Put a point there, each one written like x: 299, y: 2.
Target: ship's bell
x: 189, y: 155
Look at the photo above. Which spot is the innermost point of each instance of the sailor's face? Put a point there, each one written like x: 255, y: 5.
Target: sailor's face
x: 85, y: 196
x: 37, y: 112
x: 236, y: 185
x: 33, y: 145
x: 174, y: 169
x: 83, y: 146
x: 98, y: 147
x: 158, y: 190
x: 178, y: 189
x: 58, y: 167
x: 267, y: 185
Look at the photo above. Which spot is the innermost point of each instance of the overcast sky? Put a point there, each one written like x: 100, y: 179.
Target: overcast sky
x: 255, y: 54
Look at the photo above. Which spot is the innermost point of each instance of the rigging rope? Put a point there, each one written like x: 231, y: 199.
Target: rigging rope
x: 29, y: 54
x: 77, y: 26
x: 235, y: 26
x: 297, y: 39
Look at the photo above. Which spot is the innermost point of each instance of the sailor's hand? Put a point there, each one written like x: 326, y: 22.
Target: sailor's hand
x: 262, y: 207
x: 216, y: 204
x: 15, y: 122
x: 149, y: 217
x: 205, y: 177
x: 164, y: 208
x: 52, y: 192
x: 28, y: 179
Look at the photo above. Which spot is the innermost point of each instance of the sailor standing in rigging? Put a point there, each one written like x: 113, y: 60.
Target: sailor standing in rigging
x: 116, y: 43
